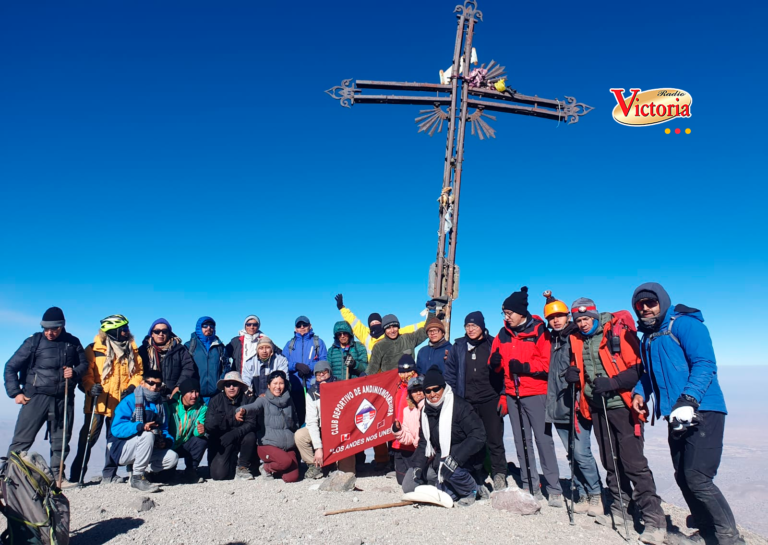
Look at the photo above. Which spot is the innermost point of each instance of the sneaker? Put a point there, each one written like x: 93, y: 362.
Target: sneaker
x: 499, y: 481
x: 466, y: 501
x: 114, y: 479
x: 266, y: 475
x: 538, y: 496
x: 482, y: 492
x: 243, y: 473
x: 581, y: 506
x: 139, y: 482
x: 313, y: 472
x: 596, y: 505
x: 555, y: 500
x: 65, y: 484
x: 391, y: 475
x: 653, y: 536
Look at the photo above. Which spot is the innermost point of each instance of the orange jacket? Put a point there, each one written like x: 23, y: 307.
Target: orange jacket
x: 114, y: 383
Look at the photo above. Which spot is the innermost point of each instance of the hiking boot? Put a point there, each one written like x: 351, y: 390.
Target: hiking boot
x: 191, y: 476
x: 555, y: 500
x: 653, y: 536
x: 114, y: 479
x: 65, y: 484
x: 596, y: 505
x: 614, y: 520
x: 538, y: 496
x: 266, y: 475
x: 482, y: 492
x: 391, y: 475
x: 140, y: 483
x: 466, y: 501
x: 581, y: 506
x: 243, y: 473
x: 499, y: 481
x: 314, y: 472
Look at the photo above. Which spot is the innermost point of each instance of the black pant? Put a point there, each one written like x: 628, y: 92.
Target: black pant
x: 192, y: 451
x: 224, y: 461
x: 696, y: 457
x: 403, y: 459
x: 39, y: 410
x: 636, y: 477
x: 80, y: 463
x: 494, y: 434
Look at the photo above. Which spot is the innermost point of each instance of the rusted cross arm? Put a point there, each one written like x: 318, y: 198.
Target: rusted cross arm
x: 394, y: 99
x: 516, y: 97
x: 513, y: 109
x: 403, y: 86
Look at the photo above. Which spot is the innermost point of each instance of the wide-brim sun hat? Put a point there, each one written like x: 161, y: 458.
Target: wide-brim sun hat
x: 232, y: 376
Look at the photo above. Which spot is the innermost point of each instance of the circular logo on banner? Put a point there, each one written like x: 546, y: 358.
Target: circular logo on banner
x: 364, y: 416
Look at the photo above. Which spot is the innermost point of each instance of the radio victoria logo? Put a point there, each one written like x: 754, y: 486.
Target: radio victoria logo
x: 642, y: 108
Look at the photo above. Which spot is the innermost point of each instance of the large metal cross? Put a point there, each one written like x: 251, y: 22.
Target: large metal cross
x: 461, y: 88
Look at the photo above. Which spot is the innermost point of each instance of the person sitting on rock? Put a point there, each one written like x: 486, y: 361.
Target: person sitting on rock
x: 451, y: 442
x: 140, y: 433
x: 277, y: 446
x: 231, y: 442
x: 187, y: 427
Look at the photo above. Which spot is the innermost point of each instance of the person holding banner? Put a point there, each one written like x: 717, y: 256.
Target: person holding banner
x: 451, y: 442
x: 403, y: 450
x: 406, y: 429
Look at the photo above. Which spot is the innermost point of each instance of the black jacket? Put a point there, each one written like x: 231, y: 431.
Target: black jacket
x: 559, y: 400
x: 220, y: 418
x: 177, y: 365
x: 467, y: 436
x: 38, y: 364
x: 456, y: 369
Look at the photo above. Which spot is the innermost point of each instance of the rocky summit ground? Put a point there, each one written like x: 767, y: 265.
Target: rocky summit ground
x: 259, y: 511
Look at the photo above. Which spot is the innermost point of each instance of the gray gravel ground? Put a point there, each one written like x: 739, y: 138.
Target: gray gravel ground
x: 234, y: 512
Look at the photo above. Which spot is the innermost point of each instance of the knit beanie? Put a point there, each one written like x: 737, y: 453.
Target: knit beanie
x: 406, y: 364
x: 321, y: 366
x: 415, y: 384
x: 158, y: 322
x: 476, y: 318
x: 374, y: 317
x: 264, y: 340
x: 517, y: 302
x: 187, y: 385
x: 435, y: 322
x: 254, y: 318
x: 584, y: 307
x: 434, y: 378
x: 388, y: 320
x: 53, y: 317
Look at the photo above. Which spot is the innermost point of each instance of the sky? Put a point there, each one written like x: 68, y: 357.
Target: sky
x: 181, y: 159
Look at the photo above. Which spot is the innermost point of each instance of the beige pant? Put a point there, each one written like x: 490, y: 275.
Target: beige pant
x: 304, y: 444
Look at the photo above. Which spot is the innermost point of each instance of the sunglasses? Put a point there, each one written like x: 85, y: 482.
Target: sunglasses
x: 231, y: 384
x: 160, y: 332
x: 433, y: 389
x: 650, y: 303
x: 252, y: 324
x: 207, y: 326
x: 302, y: 325
x: 152, y: 383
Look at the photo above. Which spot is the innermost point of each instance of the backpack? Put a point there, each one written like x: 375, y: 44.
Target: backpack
x: 622, y: 320
x: 36, y: 509
x: 315, y: 341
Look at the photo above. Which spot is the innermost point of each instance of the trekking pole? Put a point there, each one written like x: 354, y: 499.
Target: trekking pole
x: 522, y: 431
x: 571, y: 448
x: 64, y: 434
x: 616, y: 467
x: 84, y: 467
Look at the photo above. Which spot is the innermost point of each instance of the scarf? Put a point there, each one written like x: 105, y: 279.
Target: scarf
x: 117, y: 351
x: 474, y: 342
x: 444, y: 425
x: 521, y: 327
x: 250, y: 342
x: 141, y: 394
x: 595, y: 325
x: 157, y: 353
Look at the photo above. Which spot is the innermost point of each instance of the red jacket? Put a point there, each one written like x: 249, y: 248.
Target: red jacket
x: 532, y: 346
x: 401, y: 405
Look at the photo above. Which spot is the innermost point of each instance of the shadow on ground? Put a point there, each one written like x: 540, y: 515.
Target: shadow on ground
x: 104, y: 530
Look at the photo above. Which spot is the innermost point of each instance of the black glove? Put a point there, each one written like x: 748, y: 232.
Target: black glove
x: 349, y: 361
x: 447, y: 467
x: 417, y: 478
x: 228, y: 438
x: 685, y: 401
x: 495, y: 360
x: 603, y: 386
x: 518, y: 368
x: 396, y: 426
x: 572, y: 375
x: 304, y: 370
x: 128, y: 391
x: 96, y: 390
x: 431, y: 307
x: 339, y: 301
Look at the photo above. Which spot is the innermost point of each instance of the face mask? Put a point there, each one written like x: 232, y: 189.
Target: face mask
x: 377, y: 331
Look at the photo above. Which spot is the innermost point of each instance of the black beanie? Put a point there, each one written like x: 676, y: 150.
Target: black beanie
x: 187, y: 385
x: 476, y: 318
x: 517, y: 302
x: 406, y: 364
x: 372, y: 317
x: 53, y: 317
x: 434, y: 378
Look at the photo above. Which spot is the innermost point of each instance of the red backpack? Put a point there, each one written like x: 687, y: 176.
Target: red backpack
x: 622, y: 319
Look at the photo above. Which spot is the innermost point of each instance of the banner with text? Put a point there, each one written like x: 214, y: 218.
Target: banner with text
x: 356, y: 414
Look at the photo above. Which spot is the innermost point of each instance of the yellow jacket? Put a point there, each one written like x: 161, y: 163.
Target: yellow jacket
x: 114, y: 383
x: 363, y: 333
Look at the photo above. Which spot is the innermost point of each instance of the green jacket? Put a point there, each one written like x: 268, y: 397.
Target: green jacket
x: 387, y: 352
x: 336, y: 354
x: 182, y: 422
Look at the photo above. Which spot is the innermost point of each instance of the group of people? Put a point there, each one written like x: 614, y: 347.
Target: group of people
x: 255, y: 408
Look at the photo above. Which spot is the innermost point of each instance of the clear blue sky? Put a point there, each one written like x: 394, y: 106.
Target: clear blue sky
x: 180, y: 159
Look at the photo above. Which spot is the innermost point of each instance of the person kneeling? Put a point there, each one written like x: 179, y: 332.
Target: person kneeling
x: 140, y: 433
x: 188, y: 427
x: 451, y: 442
x: 277, y: 447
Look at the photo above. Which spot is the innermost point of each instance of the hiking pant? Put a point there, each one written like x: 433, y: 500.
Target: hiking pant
x: 533, y: 408
x: 586, y: 477
x: 140, y: 451
x: 224, y: 461
x: 636, y: 478
x: 696, y: 457
x: 403, y: 462
x: 80, y: 463
x: 494, y: 434
x: 40, y: 409
x: 192, y: 451
x: 281, y: 463
x: 307, y: 452
x: 459, y: 485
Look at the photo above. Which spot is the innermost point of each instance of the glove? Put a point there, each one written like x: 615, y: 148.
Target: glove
x: 303, y: 370
x: 495, y: 360
x: 518, y: 368
x: 572, y: 375
x: 683, y: 411
x: 602, y: 386
x: 228, y: 438
x: 396, y: 427
x: 501, y: 408
x: 349, y: 361
x: 417, y: 476
x: 96, y: 390
x: 431, y: 307
x: 339, y: 301
x: 128, y: 391
x: 447, y: 466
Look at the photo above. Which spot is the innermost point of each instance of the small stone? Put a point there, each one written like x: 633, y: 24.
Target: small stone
x: 355, y: 500
x: 143, y: 504
x: 338, y: 481
x: 515, y: 501
x: 315, y: 487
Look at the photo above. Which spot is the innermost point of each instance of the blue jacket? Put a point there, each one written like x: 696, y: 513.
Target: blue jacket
x: 123, y: 429
x: 304, y: 352
x: 212, y: 364
x: 686, y: 368
x: 432, y: 355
